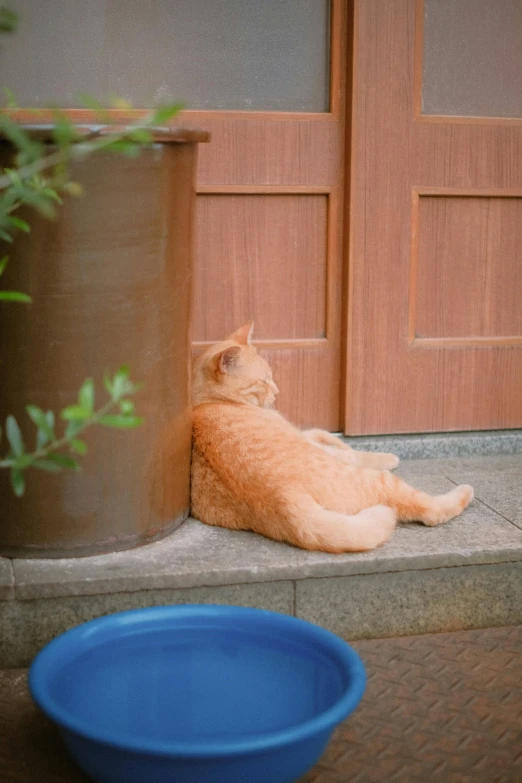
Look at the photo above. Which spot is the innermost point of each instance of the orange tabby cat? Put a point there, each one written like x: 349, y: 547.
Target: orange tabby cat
x: 253, y: 470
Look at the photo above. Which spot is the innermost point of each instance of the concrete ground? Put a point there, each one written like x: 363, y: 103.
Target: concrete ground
x: 438, y: 707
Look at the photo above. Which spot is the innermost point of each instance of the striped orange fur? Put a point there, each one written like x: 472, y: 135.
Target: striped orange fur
x: 254, y: 470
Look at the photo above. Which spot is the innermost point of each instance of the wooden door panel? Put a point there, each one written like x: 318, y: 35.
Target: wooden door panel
x: 308, y: 378
x: 275, y: 257
x: 261, y: 257
x: 465, y: 283
x: 434, y: 331
x: 484, y: 385
x: 289, y: 150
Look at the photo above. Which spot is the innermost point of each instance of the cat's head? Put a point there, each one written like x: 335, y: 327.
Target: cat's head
x: 233, y: 370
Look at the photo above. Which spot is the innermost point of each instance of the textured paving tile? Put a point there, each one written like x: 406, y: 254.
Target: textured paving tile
x: 442, y: 707
x: 497, y: 482
x: 199, y: 555
x: 31, y: 750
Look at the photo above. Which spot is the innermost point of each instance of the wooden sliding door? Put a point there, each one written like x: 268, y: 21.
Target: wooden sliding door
x: 435, y: 265
x: 269, y: 233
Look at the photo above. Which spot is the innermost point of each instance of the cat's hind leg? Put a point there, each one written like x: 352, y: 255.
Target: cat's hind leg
x: 310, y: 526
x: 359, y: 459
x: 413, y: 505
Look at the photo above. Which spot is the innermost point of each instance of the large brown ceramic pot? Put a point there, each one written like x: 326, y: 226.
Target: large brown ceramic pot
x: 111, y: 284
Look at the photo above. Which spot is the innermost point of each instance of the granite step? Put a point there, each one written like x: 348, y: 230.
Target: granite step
x: 462, y: 575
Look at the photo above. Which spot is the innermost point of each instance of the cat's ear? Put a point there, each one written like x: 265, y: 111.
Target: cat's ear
x: 244, y: 334
x: 228, y: 358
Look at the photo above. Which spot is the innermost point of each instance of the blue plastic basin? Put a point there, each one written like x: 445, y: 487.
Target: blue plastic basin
x: 197, y: 694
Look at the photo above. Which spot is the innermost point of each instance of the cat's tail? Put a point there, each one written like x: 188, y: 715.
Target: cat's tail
x: 316, y: 528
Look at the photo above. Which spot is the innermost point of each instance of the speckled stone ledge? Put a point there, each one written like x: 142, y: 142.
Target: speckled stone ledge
x: 439, y: 445
x: 200, y: 556
x: 6, y: 579
x: 464, y: 574
x: 357, y: 607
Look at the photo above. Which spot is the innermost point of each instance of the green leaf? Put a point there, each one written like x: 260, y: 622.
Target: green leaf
x: 8, y: 20
x: 14, y: 436
x: 39, y: 418
x: 140, y: 135
x: 14, y: 176
x: 86, y: 395
x: 5, y: 236
x: 14, y: 296
x: 127, y: 407
x: 64, y: 132
x: 23, y: 225
x: 24, y: 461
x: 120, y: 381
x: 73, y: 189
x: 52, y: 194
x: 31, y: 150
x: 50, y: 420
x: 73, y: 427
x: 48, y: 465
x: 76, y: 412
x: 121, y: 422
x: 11, y: 100
x: 63, y: 461
x: 79, y: 446
x: 91, y: 103
x: 41, y: 438
x: 45, y: 207
x: 120, y: 103
x: 46, y: 433
x: 45, y: 430
x: 120, y: 385
x: 3, y: 264
x: 107, y: 382
x: 17, y: 482
x: 165, y: 113
x: 125, y: 146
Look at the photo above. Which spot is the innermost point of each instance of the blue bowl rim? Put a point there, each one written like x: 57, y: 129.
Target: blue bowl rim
x: 331, y: 644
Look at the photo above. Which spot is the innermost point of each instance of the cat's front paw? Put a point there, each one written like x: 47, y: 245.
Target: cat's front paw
x: 389, y: 461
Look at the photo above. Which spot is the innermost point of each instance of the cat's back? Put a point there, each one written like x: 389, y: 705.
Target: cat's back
x: 256, y: 442
x: 224, y: 420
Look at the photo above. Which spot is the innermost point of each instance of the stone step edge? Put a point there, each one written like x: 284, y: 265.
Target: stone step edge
x: 479, y: 443
x: 355, y: 607
x: 329, y: 569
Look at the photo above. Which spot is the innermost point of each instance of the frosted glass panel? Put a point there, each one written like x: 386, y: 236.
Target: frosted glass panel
x: 210, y: 54
x: 472, y: 58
